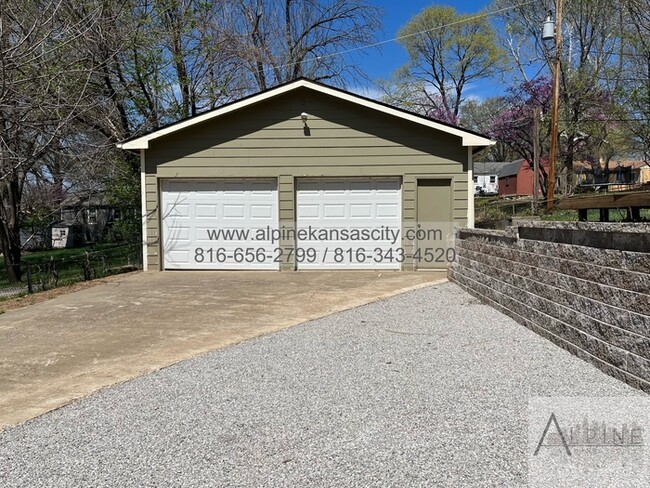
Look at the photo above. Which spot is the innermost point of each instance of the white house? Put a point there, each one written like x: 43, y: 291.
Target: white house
x: 486, y: 177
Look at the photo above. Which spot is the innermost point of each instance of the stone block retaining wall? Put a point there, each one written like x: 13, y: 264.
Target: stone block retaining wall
x: 584, y: 286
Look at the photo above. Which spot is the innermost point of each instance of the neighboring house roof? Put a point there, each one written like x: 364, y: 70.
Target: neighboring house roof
x: 613, y: 165
x: 488, y: 168
x: 84, y: 200
x: 511, y: 169
x: 469, y: 138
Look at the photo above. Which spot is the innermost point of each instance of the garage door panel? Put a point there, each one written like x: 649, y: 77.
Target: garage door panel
x: 308, y: 211
x: 331, y: 207
x: 177, y: 187
x: 206, y: 211
x: 178, y: 210
x: 192, y: 230
x: 181, y: 233
x: 386, y: 187
x: 231, y: 211
x: 387, y: 211
x: 334, y: 211
x: 360, y: 211
x: 262, y: 212
x: 359, y: 188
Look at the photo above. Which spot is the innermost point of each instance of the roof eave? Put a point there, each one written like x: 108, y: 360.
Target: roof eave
x: 134, y: 144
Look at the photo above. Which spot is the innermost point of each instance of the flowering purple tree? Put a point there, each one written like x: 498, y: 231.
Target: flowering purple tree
x: 514, y: 126
x: 589, y: 131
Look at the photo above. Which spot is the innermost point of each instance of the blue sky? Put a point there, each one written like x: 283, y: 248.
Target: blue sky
x: 380, y: 64
x: 396, y: 14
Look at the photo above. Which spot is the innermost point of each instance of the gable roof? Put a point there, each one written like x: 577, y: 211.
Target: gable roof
x: 511, y: 169
x: 469, y: 138
x: 488, y: 167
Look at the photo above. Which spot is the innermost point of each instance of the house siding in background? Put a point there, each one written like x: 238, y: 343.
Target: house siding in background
x: 486, y: 177
x: 517, y: 179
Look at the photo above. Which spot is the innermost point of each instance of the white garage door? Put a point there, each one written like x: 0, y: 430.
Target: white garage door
x: 219, y: 224
x: 349, y: 223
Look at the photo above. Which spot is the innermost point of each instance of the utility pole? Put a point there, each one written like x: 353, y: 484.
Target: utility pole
x: 536, y: 116
x: 556, y: 103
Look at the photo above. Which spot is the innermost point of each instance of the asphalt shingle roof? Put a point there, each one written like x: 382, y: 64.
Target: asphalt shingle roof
x: 511, y: 169
x: 488, y: 167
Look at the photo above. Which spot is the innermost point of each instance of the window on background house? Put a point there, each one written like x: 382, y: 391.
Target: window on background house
x: 91, y: 216
x: 507, y: 181
x: 493, y: 179
x: 475, y: 179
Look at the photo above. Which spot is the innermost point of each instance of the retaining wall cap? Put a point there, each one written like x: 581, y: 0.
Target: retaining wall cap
x: 635, y: 227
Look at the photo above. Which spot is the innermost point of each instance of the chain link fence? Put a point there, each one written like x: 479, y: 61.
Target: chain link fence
x: 47, y: 273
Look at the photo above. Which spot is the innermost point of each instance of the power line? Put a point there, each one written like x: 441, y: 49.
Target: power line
x: 399, y: 38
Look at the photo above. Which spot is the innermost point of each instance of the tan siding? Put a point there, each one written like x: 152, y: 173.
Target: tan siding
x: 340, y: 140
x: 273, y: 139
x: 286, y: 205
x: 415, y: 163
x: 329, y: 151
x: 286, y: 191
x: 408, y: 214
x: 340, y: 170
x: 153, y: 231
x: 332, y: 124
x: 409, y: 183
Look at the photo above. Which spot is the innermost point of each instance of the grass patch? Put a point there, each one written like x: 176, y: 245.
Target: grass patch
x: 491, y: 209
x: 60, y: 267
x: 36, y: 257
x: 593, y: 215
x: 57, y: 254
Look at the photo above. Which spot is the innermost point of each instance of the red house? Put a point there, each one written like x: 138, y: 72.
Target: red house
x: 516, y: 179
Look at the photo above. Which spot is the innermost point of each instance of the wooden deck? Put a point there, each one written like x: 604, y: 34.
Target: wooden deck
x: 633, y: 202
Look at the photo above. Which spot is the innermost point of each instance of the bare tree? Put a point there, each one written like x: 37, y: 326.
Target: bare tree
x: 636, y: 82
x: 281, y: 40
x: 43, y: 88
x: 591, y: 68
x: 78, y: 76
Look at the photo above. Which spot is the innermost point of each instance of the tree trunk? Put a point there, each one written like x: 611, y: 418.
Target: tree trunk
x: 10, y: 244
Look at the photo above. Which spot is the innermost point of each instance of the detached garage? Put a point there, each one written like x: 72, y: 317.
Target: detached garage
x: 304, y: 176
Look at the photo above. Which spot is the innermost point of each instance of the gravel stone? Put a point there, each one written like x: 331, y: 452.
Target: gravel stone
x: 428, y: 388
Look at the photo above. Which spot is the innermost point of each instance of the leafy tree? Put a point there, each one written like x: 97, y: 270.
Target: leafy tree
x: 481, y: 115
x: 514, y: 125
x: 447, y: 52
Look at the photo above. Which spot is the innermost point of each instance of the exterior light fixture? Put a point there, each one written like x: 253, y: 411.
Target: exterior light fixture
x: 304, y: 116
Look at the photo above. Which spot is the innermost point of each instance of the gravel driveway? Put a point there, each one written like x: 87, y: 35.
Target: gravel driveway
x: 428, y: 388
